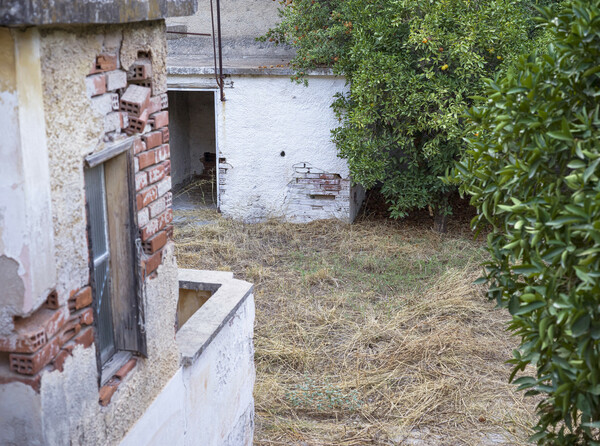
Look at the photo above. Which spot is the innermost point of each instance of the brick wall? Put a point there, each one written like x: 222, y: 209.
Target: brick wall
x: 42, y: 341
x: 314, y: 194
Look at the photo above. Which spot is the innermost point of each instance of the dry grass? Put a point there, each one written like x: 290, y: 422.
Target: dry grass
x: 371, y: 333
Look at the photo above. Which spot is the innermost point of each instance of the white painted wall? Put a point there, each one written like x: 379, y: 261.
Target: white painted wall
x: 262, y: 117
x: 27, y: 266
x: 210, y: 402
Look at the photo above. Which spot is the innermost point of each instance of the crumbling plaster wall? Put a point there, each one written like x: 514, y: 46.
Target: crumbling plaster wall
x: 26, y: 244
x: 71, y: 413
x: 266, y: 128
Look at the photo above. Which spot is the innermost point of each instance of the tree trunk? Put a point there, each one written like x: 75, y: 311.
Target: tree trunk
x: 440, y: 221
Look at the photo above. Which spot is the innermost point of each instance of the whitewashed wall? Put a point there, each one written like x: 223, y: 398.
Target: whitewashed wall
x: 264, y: 117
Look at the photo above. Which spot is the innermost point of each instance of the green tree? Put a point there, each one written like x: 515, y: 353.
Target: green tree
x: 411, y: 66
x: 532, y: 169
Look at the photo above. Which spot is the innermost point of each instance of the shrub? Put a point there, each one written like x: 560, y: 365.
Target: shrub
x: 411, y: 66
x: 533, y: 171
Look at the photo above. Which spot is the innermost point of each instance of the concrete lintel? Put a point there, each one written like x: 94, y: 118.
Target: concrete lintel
x: 200, y: 329
x: 66, y: 12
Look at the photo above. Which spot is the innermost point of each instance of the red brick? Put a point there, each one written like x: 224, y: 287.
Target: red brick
x: 154, y: 243
x: 135, y: 100
x: 35, y: 382
x: 141, y: 69
x: 107, y: 391
x: 137, y: 124
x: 95, y: 84
x: 52, y: 301
x: 155, y: 104
x: 127, y: 367
x: 145, y: 159
x: 80, y: 299
x: 156, y: 173
x: 152, y: 263
x: 106, y: 62
x: 157, y: 224
x: 152, y: 139
x: 162, y: 153
x: 32, y: 333
x: 59, y: 360
x: 146, y: 196
x: 87, y: 317
x: 85, y: 337
x: 138, y: 146
x: 68, y: 332
x: 167, y: 165
x: 161, y: 119
x: 33, y: 363
x: 331, y: 187
x: 165, y: 133
x: 141, y: 180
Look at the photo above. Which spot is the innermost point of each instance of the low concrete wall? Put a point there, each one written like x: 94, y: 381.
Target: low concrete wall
x: 209, y: 399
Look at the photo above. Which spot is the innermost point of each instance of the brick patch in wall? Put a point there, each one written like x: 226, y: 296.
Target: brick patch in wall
x: 30, y: 364
x: 33, y: 332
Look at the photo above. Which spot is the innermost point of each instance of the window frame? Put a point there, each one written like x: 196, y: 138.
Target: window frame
x: 124, y: 251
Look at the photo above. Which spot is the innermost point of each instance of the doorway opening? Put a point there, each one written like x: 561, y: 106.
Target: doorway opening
x: 193, y: 148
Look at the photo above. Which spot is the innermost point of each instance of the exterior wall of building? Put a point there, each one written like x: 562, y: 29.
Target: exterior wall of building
x: 276, y: 158
x: 48, y: 360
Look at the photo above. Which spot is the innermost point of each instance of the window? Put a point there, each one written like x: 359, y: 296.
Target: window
x: 114, y: 259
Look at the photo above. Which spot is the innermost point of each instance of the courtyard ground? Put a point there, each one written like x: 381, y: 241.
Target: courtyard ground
x: 371, y: 333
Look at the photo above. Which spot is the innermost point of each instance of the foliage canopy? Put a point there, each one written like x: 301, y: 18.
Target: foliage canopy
x: 411, y: 66
x: 533, y: 171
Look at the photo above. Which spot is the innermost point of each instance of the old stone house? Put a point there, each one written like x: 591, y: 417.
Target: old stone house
x: 102, y: 339
x: 270, y: 137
